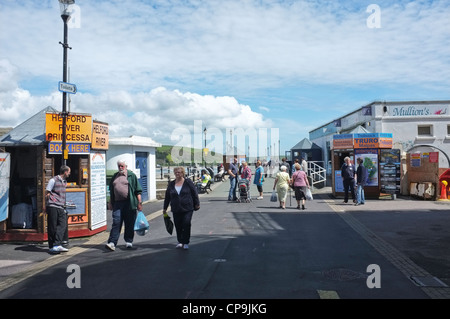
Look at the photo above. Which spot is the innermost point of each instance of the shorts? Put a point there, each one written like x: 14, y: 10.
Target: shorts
x: 259, y: 187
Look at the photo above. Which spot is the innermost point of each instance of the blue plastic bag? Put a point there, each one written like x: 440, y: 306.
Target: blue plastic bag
x: 141, y: 226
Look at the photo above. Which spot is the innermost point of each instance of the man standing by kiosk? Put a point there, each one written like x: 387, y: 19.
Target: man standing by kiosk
x: 348, y: 175
x: 57, y: 216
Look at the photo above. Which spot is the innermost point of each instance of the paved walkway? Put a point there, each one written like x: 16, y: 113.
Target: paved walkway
x: 412, y: 235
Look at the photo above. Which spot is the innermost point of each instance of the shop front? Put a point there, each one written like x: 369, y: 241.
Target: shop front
x: 34, y: 152
x: 382, y: 162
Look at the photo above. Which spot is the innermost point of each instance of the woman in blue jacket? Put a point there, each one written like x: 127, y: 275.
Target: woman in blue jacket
x: 182, y: 196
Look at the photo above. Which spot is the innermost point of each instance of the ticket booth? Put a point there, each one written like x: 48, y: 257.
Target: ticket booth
x: 35, y: 156
x: 382, y: 162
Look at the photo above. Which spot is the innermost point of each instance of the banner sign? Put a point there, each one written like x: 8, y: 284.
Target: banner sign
x: 363, y: 140
x: 78, y: 127
x: 73, y: 148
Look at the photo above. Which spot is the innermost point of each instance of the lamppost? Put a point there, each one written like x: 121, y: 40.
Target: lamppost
x: 204, y: 150
x: 65, y: 7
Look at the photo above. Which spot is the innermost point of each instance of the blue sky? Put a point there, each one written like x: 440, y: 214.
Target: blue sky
x: 150, y: 67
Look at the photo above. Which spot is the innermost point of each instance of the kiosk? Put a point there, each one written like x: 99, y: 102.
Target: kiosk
x: 381, y: 161
x: 35, y: 152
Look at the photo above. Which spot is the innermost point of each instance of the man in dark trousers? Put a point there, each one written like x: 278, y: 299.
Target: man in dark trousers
x: 56, y: 212
x: 125, y: 200
x: 361, y: 180
x: 348, y: 172
x: 233, y: 172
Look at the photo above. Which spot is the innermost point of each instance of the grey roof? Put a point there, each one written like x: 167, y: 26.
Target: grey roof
x: 30, y: 132
x: 359, y: 129
x: 305, y: 144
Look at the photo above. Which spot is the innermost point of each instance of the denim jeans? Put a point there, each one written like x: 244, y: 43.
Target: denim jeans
x: 232, y: 192
x: 360, y: 195
x: 122, y: 214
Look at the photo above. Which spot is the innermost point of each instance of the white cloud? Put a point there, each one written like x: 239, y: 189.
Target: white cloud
x: 221, y: 51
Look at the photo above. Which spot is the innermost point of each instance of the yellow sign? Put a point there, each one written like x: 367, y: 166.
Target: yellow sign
x: 100, y: 134
x: 78, y: 127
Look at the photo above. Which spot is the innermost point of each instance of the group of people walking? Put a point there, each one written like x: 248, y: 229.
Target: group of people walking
x: 182, y: 196
x: 283, y: 180
x: 299, y: 182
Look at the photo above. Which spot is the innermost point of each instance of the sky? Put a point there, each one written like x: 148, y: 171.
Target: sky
x: 165, y: 69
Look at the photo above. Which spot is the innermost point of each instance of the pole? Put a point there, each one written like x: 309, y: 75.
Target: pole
x: 64, y: 96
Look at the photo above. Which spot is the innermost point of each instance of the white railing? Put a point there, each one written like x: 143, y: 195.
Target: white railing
x: 316, y: 172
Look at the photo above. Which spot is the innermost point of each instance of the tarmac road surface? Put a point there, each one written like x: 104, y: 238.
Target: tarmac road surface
x: 385, y: 249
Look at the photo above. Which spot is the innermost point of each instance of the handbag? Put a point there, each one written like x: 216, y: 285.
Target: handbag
x: 273, y: 197
x: 141, y: 225
x: 168, y: 223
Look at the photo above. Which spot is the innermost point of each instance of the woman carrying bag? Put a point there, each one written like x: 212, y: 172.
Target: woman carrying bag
x: 300, y: 184
x: 182, y: 196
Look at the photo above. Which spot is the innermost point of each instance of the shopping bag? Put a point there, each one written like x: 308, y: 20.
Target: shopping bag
x: 141, y: 226
x: 308, y: 194
x: 169, y: 224
x: 274, y: 198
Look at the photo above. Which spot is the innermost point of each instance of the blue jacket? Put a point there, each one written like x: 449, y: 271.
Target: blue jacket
x: 362, y: 175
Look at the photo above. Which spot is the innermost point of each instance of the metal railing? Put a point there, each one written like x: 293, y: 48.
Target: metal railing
x: 317, y: 173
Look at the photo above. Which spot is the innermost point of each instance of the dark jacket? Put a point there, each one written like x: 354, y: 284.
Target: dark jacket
x: 186, y: 201
x: 362, y: 175
x: 348, y: 171
x: 134, y: 188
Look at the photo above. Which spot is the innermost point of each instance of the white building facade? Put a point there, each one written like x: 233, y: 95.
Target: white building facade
x: 140, y: 154
x: 417, y: 126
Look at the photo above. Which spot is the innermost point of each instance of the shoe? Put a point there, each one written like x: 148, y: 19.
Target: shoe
x: 357, y: 204
x: 303, y: 207
x: 260, y: 197
x: 185, y: 246
x: 362, y: 203
x: 129, y: 245
x: 179, y: 245
x: 298, y: 207
x: 345, y: 202
x: 111, y: 246
x: 60, y: 249
x: 53, y: 251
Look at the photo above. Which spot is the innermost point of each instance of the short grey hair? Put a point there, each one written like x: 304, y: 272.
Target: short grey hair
x: 122, y: 161
x: 283, y: 168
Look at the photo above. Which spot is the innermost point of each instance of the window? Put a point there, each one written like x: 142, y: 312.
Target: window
x: 425, y: 130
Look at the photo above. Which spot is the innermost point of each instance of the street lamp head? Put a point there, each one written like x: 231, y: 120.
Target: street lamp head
x: 65, y: 7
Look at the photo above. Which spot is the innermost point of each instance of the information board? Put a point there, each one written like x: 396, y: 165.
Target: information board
x: 390, y: 171
x: 98, y: 189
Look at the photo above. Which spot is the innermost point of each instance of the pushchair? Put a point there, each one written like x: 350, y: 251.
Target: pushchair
x: 244, y: 191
